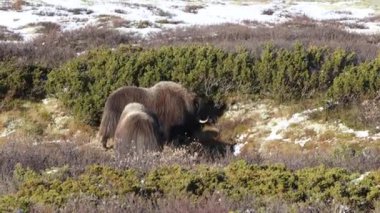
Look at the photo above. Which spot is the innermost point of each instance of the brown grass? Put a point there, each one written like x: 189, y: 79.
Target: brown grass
x: 192, y: 8
x: 215, y: 202
x: 7, y: 35
x: 17, y: 4
x: 46, y: 27
x: 79, y: 154
x: 111, y: 21
x: 231, y: 128
x: 167, y: 21
x: 268, y: 12
x: 252, y: 147
x: 328, y: 135
x: 356, y: 26
x: 78, y: 11
x: 351, y: 157
x: 55, y: 47
x: 40, y: 156
x: 207, y: 204
x: 373, y: 18
x: 143, y: 24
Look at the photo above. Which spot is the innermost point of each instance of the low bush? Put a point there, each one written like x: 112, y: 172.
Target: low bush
x: 236, y: 181
x: 84, y: 83
x: 299, y: 29
x: 22, y: 81
x: 357, y: 82
x: 299, y: 73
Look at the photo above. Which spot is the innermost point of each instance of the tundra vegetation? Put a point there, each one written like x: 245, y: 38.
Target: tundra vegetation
x: 287, y: 64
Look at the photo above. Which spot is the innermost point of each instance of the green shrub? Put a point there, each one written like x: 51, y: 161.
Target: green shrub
x: 299, y: 72
x: 244, y: 179
x: 22, y: 81
x: 357, y: 82
x: 84, y: 83
x: 237, y: 180
x: 334, y: 66
x: 55, y: 187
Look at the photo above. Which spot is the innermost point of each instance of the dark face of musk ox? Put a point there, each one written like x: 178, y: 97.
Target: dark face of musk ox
x: 137, y: 132
x: 208, y: 112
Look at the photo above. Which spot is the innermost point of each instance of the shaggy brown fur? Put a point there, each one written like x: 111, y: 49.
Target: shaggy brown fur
x: 137, y: 131
x: 173, y: 104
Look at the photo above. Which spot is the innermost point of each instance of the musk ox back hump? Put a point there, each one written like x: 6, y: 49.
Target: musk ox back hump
x: 174, y: 105
x: 137, y: 131
x: 177, y: 90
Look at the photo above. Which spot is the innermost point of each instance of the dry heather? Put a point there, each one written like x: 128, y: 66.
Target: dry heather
x: 299, y: 135
x: 48, y: 121
x: 244, y: 123
x: 55, y: 47
x: 8, y: 35
x: 302, y: 29
x: 209, y: 204
x: 43, y: 138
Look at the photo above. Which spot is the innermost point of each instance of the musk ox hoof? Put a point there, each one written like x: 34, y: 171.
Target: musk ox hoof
x: 107, y: 147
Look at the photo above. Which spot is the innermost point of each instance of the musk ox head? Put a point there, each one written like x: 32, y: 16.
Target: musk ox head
x: 207, y: 111
x: 137, y: 131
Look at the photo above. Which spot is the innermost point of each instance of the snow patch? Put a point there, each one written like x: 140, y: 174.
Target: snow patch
x: 6, y: 132
x: 302, y: 141
x: 61, y: 121
x: 282, y: 124
x: 52, y: 171
x: 11, y: 127
x: 238, y: 147
x: 74, y: 14
x: 358, y: 134
x: 241, y: 137
x: 359, y: 179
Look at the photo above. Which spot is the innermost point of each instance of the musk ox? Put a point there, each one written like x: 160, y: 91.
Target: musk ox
x: 178, y: 110
x: 137, y: 131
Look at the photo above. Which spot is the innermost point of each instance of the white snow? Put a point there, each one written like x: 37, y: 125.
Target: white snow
x: 211, y: 12
x: 238, y: 147
x: 302, y: 141
x: 357, y: 180
x: 6, y: 133
x: 279, y: 125
x: 328, y: 11
x: 11, y: 127
x: 270, y: 123
x: 358, y: 133
x: 52, y: 171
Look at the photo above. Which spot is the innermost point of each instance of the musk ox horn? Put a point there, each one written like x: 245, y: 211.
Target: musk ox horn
x: 203, y: 121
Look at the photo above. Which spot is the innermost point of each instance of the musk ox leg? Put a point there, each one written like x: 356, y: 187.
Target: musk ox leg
x: 108, y: 126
